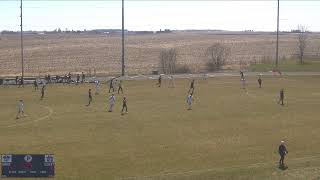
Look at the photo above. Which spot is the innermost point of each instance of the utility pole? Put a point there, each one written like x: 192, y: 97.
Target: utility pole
x: 277, y: 48
x: 21, y: 32
x: 122, y: 72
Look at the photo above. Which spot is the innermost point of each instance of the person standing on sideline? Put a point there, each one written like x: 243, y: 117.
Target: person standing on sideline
x: 260, y: 81
x: 83, y: 76
x: 124, y: 105
x: 42, y: 91
x: 120, y: 87
x: 20, y: 109
x: 242, y: 75
x: 191, y: 87
x: 35, y: 85
x: 171, y: 82
x: 90, y: 97
x: 159, y: 81
x: 78, y: 79
x: 97, y: 83
x: 112, y: 101
x: 189, y: 101
x: 281, y: 97
x: 282, y: 152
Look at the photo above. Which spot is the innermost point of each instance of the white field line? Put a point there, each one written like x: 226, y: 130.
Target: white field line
x: 34, y: 121
x: 221, y: 169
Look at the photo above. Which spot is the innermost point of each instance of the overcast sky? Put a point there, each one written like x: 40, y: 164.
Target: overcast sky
x: 155, y: 15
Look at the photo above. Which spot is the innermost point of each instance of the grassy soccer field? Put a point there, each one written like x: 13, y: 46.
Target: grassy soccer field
x: 229, y: 133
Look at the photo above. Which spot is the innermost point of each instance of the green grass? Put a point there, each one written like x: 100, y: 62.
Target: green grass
x: 224, y: 137
x: 310, y: 65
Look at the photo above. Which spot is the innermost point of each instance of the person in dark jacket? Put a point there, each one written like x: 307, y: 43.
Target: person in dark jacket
x: 281, y: 97
x: 191, y: 87
x: 159, y: 81
x: 282, y: 152
x: 260, y: 81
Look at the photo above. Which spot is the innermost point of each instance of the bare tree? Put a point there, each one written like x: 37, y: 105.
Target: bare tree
x: 302, y: 41
x: 218, y: 54
x: 168, y: 61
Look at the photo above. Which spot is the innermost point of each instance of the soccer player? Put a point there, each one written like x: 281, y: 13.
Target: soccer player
x: 120, y: 87
x: 282, y: 152
x: 97, y: 83
x: 112, y: 100
x: 20, y: 109
x: 191, y: 87
x: 159, y: 81
x: 281, y: 97
x: 189, y: 101
x: 42, y: 91
x: 124, y: 105
x: 35, y: 85
x: 90, y: 97
x: 260, y: 81
x: 111, y: 85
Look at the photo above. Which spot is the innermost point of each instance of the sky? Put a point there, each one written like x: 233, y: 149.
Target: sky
x: 155, y: 15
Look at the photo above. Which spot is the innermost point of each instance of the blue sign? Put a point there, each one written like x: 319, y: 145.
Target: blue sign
x: 27, y: 165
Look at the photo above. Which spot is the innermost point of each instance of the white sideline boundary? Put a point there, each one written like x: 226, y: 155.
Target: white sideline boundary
x: 33, y: 121
x: 221, y: 169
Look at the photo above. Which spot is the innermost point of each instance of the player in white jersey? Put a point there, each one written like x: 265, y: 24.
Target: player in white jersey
x: 97, y: 83
x: 189, y: 101
x: 20, y: 109
x: 112, y: 101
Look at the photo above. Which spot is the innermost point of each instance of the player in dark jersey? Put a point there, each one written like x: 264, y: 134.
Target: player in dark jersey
x: 282, y: 152
x: 281, y: 97
x: 90, y: 97
x: 111, y: 85
x: 259, y: 81
x: 42, y: 91
x: 191, y: 87
x: 124, y: 105
x: 35, y: 85
x: 120, y: 87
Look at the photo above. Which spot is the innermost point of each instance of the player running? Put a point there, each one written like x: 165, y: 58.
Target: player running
x: 90, y: 97
x: 281, y: 97
x: 191, y: 87
x: 260, y: 81
x: 189, y: 101
x: 120, y: 87
x: 124, y: 105
x: 112, y: 101
x: 20, y: 109
x: 282, y: 152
